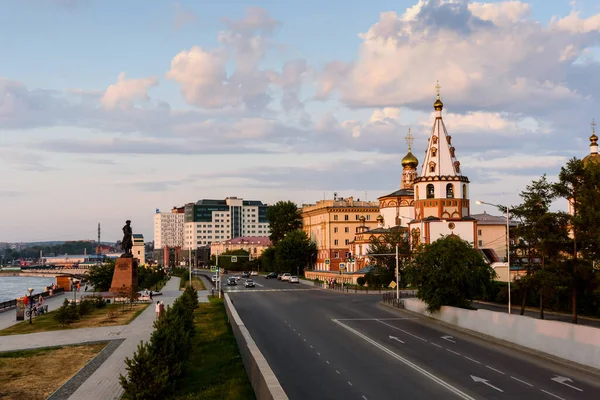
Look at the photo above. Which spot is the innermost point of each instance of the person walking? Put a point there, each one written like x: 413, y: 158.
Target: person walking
x: 162, y: 309
x: 157, y: 309
x: 150, y: 294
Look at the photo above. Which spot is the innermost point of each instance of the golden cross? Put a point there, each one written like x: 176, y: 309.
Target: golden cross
x: 593, y: 126
x: 437, y: 89
x: 409, y: 139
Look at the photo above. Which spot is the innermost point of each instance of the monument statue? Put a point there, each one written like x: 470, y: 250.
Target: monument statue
x: 127, y: 242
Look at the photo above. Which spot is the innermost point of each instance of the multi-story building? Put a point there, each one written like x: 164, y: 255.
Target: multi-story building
x: 208, y: 221
x: 491, y: 236
x: 332, y: 225
x: 139, y: 248
x: 255, y: 245
x: 168, y: 228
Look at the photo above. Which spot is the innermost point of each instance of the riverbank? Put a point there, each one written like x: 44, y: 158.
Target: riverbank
x: 30, y: 274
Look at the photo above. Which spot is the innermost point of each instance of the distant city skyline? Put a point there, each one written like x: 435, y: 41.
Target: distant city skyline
x: 110, y: 110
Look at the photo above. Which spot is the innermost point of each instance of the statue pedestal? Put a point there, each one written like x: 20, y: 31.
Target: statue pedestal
x: 125, y: 274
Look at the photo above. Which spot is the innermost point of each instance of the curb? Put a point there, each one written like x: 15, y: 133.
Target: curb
x: 528, y: 351
x: 262, y: 378
x: 532, y: 309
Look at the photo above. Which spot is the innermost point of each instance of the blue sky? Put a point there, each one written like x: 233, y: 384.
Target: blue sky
x: 291, y: 100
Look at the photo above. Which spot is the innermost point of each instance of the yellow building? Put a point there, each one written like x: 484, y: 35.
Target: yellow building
x: 491, y: 236
x: 332, y: 225
x: 255, y: 245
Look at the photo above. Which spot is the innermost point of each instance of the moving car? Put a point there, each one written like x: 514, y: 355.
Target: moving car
x: 245, y: 274
x: 231, y: 282
x: 286, y: 276
x: 294, y: 279
x: 279, y: 276
x: 253, y: 273
x: 249, y: 283
x: 271, y: 275
x: 237, y: 277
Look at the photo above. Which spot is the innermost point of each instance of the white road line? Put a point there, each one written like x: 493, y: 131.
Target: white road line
x: 311, y: 346
x: 410, y: 364
x: 294, y: 329
x: 365, y: 398
x: 338, y: 372
x: 437, y: 345
x: 517, y: 379
x: 401, y: 330
x: 453, y: 352
x: 349, y: 383
x: 470, y: 359
x: 552, y: 394
x: 494, y: 369
x: 305, y: 340
x: 327, y: 362
x: 374, y: 319
x: 318, y: 353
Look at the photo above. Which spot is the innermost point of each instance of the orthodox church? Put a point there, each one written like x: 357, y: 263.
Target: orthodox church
x: 434, y: 203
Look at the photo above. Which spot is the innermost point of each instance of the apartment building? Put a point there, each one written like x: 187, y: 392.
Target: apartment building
x: 168, y: 228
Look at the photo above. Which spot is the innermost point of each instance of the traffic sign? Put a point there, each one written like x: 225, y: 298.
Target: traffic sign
x: 342, y: 266
x: 213, y: 268
x: 233, y: 258
x: 327, y: 261
x: 393, y: 284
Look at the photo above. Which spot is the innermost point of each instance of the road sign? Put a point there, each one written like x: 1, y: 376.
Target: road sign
x: 327, y: 261
x: 393, y: 284
x: 342, y: 266
x: 233, y: 258
x: 213, y: 268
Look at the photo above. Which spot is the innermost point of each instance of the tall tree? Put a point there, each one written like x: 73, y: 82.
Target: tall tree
x: 293, y: 252
x: 386, y: 244
x: 284, y: 217
x: 579, y: 182
x: 450, y: 272
x: 100, y: 276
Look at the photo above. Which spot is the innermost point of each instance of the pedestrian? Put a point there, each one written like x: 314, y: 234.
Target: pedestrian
x: 150, y: 295
x: 86, y: 287
x: 41, y: 300
x: 157, y: 309
x: 162, y: 308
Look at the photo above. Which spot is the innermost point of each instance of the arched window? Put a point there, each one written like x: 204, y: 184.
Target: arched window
x: 464, y: 190
x: 430, y: 191
x: 433, y: 152
x: 449, y: 191
x: 432, y: 167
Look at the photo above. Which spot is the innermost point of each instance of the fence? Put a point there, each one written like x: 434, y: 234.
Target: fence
x: 6, y: 305
x: 393, y: 300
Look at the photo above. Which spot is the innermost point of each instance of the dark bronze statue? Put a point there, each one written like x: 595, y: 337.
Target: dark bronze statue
x: 127, y: 242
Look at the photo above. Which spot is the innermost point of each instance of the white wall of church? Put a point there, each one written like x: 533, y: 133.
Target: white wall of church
x: 389, y: 215
x: 440, y: 189
x: 464, y: 229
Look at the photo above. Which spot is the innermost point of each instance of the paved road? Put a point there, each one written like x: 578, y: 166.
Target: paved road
x: 324, y: 345
x: 548, y: 315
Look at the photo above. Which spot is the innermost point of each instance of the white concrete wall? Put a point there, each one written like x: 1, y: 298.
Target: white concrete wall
x: 464, y: 229
x: 580, y: 344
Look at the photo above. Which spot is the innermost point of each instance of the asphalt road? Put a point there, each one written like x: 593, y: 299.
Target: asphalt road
x: 548, y: 315
x: 324, y: 345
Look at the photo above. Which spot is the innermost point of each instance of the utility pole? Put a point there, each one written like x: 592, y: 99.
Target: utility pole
x: 397, y: 276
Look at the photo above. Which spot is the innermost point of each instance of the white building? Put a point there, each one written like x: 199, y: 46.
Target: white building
x: 208, y: 221
x: 168, y: 228
x: 139, y: 248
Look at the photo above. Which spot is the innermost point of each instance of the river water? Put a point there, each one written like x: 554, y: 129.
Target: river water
x: 12, y: 287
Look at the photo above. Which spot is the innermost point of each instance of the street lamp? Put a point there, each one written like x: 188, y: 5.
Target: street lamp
x: 30, y: 290
x: 507, y: 243
x: 74, y: 290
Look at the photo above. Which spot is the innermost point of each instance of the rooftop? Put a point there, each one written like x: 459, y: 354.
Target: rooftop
x: 488, y: 219
x: 260, y: 240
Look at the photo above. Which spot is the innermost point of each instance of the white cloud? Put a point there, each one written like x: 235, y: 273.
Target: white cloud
x: 126, y: 91
x: 574, y: 24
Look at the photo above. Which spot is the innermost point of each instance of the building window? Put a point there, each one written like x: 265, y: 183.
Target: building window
x: 368, y: 217
x: 347, y: 241
x: 464, y: 190
x: 430, y: 191
x: 481, y: 243
x: 432, y: 167
x: 449, y: 191
x: 336, y: 254
x: 335, y: 242
x: 347, y: 230
x: 346, y: 217
x: 479, y: 232
x: 335, y: 230
x: 433, y: 152
x: 335, y: 217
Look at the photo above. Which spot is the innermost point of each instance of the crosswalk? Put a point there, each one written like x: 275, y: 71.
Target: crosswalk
x: 244, y: 290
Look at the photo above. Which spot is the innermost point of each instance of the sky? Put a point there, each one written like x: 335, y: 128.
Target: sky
x: 112, y: 109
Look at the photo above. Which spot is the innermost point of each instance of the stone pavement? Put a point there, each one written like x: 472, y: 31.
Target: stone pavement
x: 9, y: 317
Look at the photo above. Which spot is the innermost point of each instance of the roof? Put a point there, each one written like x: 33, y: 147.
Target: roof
x: 488, y: 219
x: 138, y: 236
x: 260, y: 240
x: 401, y: 192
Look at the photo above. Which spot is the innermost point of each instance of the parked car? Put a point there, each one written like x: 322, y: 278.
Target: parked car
x: 279, y: 276
x: 294, y: 279
x: 286, y: 276
x: 245, y: 274
x: 249, y: 283
x: 253, y: 273
x: 271, y: 275
x: 231, y: 282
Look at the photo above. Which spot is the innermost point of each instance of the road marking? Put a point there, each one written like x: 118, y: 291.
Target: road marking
x: 453, y: 352
x: 448, y: 338
x: 494, y: 369
x: 552, y: 394
x: 305, y: 340
x: 470, y: 359
x: 327, y: 362
x: 294, y: 329
x: 435, y: 344
x: 311, y: 346
x: 318, y: 353
x: 517, y: 379
x: 396, y: 339
x: 408, y: 363
x: 349, y: 383
x: 401, y: 330
x: 374, y: 319
x: 485, y: 382
x: 365, y: 398
x: 563, y: 379
x: 337, y: 372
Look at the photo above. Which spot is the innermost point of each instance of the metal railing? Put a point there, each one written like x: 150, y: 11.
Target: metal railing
x: 13, y: 303
x: 393, y: 300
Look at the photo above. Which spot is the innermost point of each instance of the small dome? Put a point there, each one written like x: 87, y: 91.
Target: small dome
x: 438, y: 104
x: 410, y: 160
x: 380, y: 218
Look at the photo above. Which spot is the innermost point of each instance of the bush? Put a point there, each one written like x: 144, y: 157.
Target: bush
x: 145, y: 379
x: 86, y: 307
x: 67, y: 313
x: 361, y: 281
x: 99, y: 302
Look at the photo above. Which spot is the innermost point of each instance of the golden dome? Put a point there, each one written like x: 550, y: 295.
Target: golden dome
x: 410, y: 160
x: 438, y: 104
x: 591, y: 158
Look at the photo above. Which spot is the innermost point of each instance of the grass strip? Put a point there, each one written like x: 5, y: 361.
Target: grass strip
x: 35, y: 374
x: 215, y: 369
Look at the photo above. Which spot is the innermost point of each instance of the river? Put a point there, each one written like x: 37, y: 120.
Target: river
x: 12, y: 287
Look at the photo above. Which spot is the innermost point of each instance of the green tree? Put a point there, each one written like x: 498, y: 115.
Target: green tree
x: 267, y: 259
x: 450, y: 272
x: 386, y: 244
x: 100, y: 276
x: 145, y: 380
x: 243, y: 262
x: 284, y: 217
x: 293, y: 252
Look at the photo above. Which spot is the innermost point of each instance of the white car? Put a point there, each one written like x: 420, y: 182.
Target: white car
x: 214, y: 278
x: 254, y: 273
x: 249, y: 283
x: 294, y: 279
x: 286, y: 276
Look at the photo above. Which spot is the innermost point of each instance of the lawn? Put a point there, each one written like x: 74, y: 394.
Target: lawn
x: 215, y: 369
x: 196, y: 282
x: 33, y: 374
x: 112, y: 314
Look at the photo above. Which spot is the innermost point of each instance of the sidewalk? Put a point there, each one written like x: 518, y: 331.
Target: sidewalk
x: 9, y: 317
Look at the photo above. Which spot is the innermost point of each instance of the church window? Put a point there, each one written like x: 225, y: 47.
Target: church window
x: 464, y: 190
x: 433, y: 152
x: 457, y: 167
x: 434, y: 139
x: 451, y: 151
x: 449, y: 191
x: 432, y: 167
x: 430, y: 191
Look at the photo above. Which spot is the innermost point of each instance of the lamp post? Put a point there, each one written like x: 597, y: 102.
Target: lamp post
x: 507, y: 243
x: 30, y: 290
x: 74, y: 290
